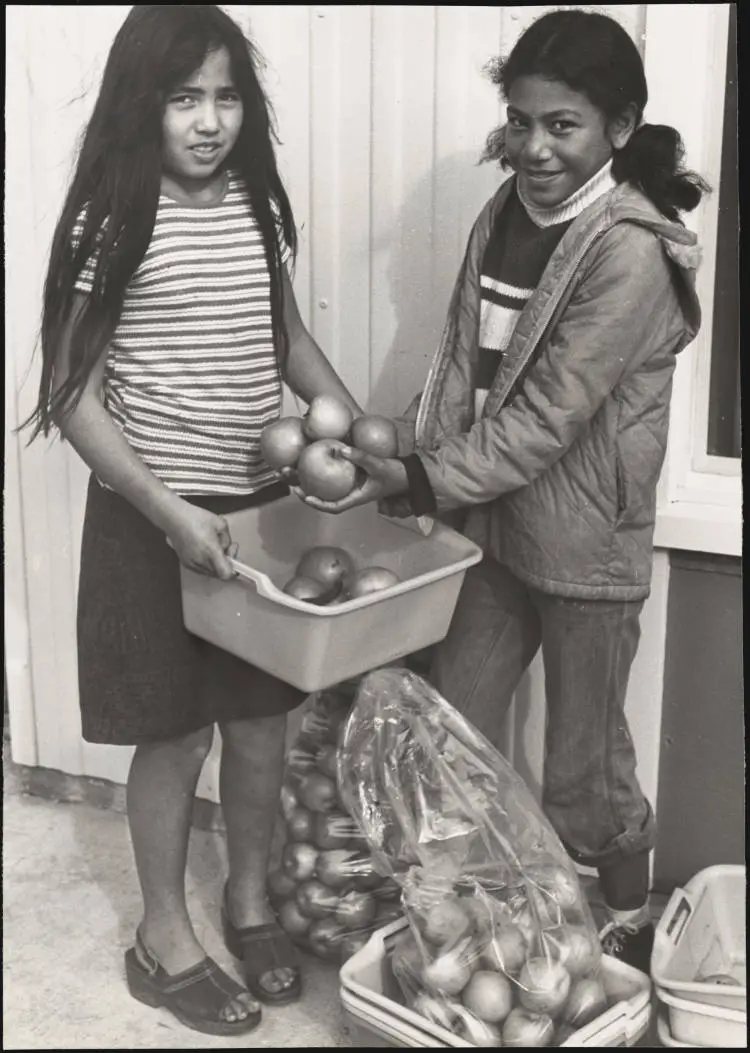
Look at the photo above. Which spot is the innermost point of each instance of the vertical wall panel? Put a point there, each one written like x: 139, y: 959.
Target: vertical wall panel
x: 383, y: 112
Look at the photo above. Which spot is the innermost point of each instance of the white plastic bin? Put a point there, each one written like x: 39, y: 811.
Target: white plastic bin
x: 665, y: 1036
x: 702, y: 933
x: 315, y: 647
x: 700, y: 1024
x: 369, y: 995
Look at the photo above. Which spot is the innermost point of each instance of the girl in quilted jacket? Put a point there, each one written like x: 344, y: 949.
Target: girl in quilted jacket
x: 543, y: 426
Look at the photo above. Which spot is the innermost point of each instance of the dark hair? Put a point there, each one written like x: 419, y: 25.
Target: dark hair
x: 118, y: 176
x: 595, y: 56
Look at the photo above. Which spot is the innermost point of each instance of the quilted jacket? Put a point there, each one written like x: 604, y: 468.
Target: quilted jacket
x: 557, y: 480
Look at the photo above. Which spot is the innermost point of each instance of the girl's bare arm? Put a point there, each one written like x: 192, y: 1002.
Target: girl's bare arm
x: 308, y: 372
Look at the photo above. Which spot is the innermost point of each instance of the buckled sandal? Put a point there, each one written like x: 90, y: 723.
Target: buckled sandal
x: 262, y: 949
x: 197, y: 997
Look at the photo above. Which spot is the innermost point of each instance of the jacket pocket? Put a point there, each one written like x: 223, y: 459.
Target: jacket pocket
x: 622, y: 494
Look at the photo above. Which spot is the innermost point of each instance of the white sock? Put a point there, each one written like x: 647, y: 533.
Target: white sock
x: 639, y: 917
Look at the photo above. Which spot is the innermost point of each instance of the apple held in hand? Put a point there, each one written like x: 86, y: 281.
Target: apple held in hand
x: 327, y: 418
x: 323, y: 473
x: 375, y: 435
x: 327, y: 564
x: 282, y: 442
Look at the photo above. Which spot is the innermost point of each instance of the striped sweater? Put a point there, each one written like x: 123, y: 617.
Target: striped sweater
x: 521, y: 245
x: 191, y: 376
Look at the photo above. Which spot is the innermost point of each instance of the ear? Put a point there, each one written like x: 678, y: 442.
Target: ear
x: 622, y: 127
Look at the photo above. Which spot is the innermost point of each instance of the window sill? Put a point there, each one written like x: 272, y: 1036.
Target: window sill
x: 699, y: 528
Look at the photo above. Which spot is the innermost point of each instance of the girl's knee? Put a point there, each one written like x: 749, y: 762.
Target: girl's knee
x: 248, y: 735
x: 196, y: 744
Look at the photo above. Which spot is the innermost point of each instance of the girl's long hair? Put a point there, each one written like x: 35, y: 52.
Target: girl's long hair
x: 595, y: 56
x: 118, y: 177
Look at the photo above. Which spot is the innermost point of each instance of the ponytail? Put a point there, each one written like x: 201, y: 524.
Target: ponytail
x: 652, y: 161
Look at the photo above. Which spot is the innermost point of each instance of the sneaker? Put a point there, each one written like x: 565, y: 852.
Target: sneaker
x: 631, y: 944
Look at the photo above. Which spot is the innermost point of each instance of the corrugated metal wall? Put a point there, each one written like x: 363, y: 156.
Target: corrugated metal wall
x: 383, y: 113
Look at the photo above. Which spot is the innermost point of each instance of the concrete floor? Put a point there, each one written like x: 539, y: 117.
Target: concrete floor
x: 70, y: 907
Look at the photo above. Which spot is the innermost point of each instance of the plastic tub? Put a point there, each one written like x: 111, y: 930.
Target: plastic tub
x: 701, y: 1024
x: 664, y: 1035
x: 370, y: 998
x: 315, y: 647
x: 702, y: 933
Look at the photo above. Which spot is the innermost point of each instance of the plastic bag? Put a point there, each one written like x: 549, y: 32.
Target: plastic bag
x: 501, y: 945
x: 326, y: 891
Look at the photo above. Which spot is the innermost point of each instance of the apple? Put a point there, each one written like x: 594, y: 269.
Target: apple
x: 299, y: 860
x: 446, y: 922
x: 543, y: 986
x: 338, y: 867
x: 280, y: 886
x: 506, y: 950
x: 351, y: 943
x: 449, y: 973
x: 524, y: 1028
x: 575, y: 950
x: 292, y: 920
x: 355, y: 910
x: 475, y: 1031
x: 375, y: 435
x: 436, y: 1010
x: 323, y: 473
x: 369, y: 580
x: 311, y: 591
x: 587, y: 1000
x: 327, y: 564
x: 315, y: 900
x: 325, y: 937
x: 327, y: 418
x: 327, y: 761
x: 318, y: 793
x: 282, y: 442
x: 489, y: 996
x: 333, y: 830
x: 300, y: 825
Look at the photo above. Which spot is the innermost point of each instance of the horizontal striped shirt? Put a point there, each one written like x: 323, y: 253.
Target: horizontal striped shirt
x: 191, y: 375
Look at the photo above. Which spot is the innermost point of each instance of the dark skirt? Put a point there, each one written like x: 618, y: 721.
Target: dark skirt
x: 142, y: 676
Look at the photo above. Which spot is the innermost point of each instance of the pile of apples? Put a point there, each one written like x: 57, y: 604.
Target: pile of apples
x: 311, y: 445
x: 326, y: 892
x: 479, y: 966
x: 327, y: 574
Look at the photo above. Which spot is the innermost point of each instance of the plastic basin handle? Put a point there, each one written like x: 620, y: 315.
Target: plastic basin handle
x: 262, y: 582
x: 676, y: 915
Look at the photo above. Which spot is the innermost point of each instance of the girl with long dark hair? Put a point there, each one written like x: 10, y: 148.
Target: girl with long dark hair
x: 169, y: 325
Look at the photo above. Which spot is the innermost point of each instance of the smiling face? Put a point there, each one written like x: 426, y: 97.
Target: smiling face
x: 556, y: 139
x: 202, y: 120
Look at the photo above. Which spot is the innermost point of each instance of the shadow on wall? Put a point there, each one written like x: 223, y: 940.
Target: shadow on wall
x: 425, y: 248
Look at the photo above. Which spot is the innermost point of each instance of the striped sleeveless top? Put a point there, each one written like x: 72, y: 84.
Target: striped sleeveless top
x: 192, y: 376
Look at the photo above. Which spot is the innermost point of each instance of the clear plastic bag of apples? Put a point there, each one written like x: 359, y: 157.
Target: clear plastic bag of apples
x: 325, y: 890
x: 501, y: 947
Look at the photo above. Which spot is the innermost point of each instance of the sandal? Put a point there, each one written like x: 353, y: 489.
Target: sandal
x: 262, y: 949
x: 197, y: 997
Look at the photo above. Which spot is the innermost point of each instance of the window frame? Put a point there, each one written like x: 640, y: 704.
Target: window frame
x: 700, y: 495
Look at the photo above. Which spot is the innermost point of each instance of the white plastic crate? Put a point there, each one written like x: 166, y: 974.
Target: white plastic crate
x: 700, y: 1024
x: 665, y: 1036
x: 315, y: 647
x: 369, y: 993
x: 702, y: 933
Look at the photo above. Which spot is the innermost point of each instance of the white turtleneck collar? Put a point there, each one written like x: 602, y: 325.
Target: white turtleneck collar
x: 573, y: 206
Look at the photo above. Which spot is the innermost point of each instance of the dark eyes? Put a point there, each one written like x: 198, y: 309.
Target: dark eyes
x: 560, y: 127
x: 184, y: 100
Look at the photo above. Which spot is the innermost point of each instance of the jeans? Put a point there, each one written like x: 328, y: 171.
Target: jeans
x: 591, y: 795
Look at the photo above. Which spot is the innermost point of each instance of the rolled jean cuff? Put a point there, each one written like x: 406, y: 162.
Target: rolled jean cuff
x: 624, y: 846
